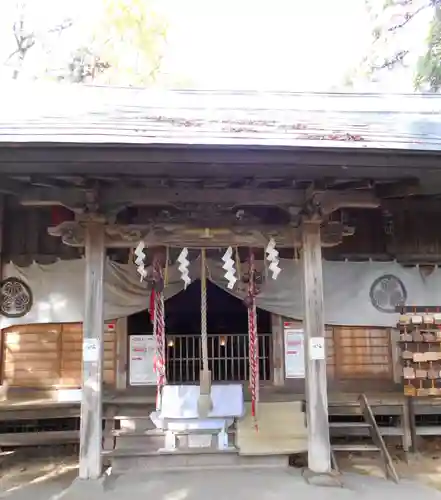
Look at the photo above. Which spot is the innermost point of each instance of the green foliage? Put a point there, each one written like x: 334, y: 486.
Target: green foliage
x: 393, y: 40
x: 428, y: 73
x: 124, y: 45
x: 130, y: 39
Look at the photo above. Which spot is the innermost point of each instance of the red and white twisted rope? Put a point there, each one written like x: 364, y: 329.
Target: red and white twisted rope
x: 159, y: 333
x: 253, y: 340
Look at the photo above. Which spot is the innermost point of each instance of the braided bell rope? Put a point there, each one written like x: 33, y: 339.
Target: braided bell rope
x: 253, y: 340
x: 204, y: 333
x: 159, y: 333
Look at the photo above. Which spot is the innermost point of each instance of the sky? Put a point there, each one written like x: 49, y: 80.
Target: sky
x: 277, y: 44
x: 292, y: 45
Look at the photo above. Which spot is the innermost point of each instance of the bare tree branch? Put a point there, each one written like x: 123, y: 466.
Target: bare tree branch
x: 408, y: 17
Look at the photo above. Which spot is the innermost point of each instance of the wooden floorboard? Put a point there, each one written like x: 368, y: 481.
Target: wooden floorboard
x: 137, y: 405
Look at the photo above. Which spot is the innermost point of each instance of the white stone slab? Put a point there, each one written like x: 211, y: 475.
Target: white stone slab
x: 181, y: 402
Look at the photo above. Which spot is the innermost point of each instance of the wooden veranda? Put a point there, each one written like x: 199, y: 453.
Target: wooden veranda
x: 208, y: 170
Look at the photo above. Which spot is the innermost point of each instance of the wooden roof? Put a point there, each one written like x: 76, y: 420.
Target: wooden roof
x: 68, y: 114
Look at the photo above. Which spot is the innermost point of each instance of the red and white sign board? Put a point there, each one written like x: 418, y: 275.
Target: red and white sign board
x: 110, y: 326
x: 294, y: 351
x: 141, y: 358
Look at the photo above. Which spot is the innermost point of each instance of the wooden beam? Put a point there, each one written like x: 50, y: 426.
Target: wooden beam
x: 121, y: 195
x: 319, y: 448
x: 420, y: 205
x: 114, y: 159
x: 93, y: 351
x: 399, y: 189
x: 332, y: 201
x: 230, y: 196
x: 178, y: 235
x: 160, y: 196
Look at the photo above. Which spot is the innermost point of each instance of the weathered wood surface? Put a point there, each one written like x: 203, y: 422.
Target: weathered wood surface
x: 48, y: 356
x: 133, y: 116
x: 278, y: 350
x: 319, y: 449
x: 90, y: 466
x: 121, y: 354
x: 45, y: 438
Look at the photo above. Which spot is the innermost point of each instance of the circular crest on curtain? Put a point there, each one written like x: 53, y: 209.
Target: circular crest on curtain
x: 387, y: 293
x: 15, y: 298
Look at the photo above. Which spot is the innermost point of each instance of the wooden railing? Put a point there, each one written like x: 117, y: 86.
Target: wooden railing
x: 227, y: 357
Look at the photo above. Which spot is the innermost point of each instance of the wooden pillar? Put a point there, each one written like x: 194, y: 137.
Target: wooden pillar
x: 93, y: 352
x: 121, y: 354
x: 278, y: 350
x: 3, y: 384
x: 319, y: 448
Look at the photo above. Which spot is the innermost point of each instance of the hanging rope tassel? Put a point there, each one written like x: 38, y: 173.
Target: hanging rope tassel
x: 253, y: 340
x: 159, y: 333
x: 205, y: 403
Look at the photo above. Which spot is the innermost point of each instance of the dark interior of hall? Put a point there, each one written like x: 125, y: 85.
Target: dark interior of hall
x: 227, y: 322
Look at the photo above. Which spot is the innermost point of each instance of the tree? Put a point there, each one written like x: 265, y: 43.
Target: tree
x: 398, y: 28
x: 28, y: 35
x: 124, y: 44
x: 126, y: 47
x: 428, y: 75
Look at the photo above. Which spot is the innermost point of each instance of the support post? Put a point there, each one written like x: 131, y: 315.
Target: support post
x: 93, y: 351
x: 121, y: 354
x: 278, y: 350
x: 319, y: 447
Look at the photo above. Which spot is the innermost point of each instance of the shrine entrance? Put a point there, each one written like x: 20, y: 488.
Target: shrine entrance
x: 227, y: 336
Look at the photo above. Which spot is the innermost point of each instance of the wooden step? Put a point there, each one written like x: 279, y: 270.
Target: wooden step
x: 139, y: 452
x: 344, y: 425
x: 355, y: 447
x: 135, y: 433
x: 160, y: 432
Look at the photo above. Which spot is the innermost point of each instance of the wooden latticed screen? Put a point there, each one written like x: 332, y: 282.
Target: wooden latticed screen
x: 31, y: 355
x: 330, y: 352
x: 49, y: 356
x: 362, y: 353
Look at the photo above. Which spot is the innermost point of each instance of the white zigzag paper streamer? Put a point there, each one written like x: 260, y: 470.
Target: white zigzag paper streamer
x: 183, y: 267
x: 140, y: 257
x: 229, y: 268
x: 273, y: 258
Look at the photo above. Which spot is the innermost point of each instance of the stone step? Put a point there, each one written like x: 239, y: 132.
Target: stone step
x: 160, y: 432
x: 141, y: 460
x: 151, y: 440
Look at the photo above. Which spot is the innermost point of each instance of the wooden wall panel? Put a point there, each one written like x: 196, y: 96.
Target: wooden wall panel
x: 72, y: 344
x: 50, y: 356
x: 362, y: 353
x: 330, y: 352
x: 31, y: 355
x: 329, y: 344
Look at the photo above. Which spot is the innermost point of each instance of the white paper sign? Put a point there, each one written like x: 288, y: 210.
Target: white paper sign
x: 294, y: 352
x: 142, y: 354
x: 317, y: 348
x: 90, y: 350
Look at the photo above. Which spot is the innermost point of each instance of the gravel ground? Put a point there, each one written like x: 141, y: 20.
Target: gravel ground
x: 38, y: 475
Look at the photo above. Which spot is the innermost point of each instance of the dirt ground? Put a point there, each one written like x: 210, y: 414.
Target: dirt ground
x: 44, y: 475
x: 424, y: 467
x: 37, y: 474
